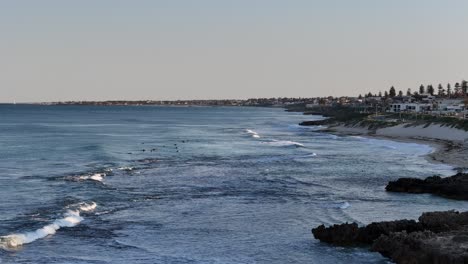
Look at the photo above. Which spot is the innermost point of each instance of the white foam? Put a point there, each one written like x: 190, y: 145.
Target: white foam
x: 125, y: 168
x: 88, y: 207
x: 95, y: 177
x: 251, y: 132
x: 344, y: 205
x: 70, y: 218
x: 284, y: 143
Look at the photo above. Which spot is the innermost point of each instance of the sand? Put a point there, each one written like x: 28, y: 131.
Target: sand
x: 451, y: 144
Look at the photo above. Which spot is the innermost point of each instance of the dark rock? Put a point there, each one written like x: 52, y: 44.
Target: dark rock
x: 424, y: 247
x: 438, y: 237
x: 316, y: 122
x: 315, y: 113
x: 454, y: 187
x: 444, y: 221
x: 351, y: 234
x: 344, y: 234
x: 373, y: 231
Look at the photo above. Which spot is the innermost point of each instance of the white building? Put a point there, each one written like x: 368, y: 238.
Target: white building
x: 315, y: 103
x: 409, y: 107
x: 450, y: 106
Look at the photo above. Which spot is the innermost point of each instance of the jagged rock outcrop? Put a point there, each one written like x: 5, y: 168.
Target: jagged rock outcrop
x: 454, y: 187
x: 424, y: 247
x: 350, y: 234
x: 317, y: 122
x: 437, y: 237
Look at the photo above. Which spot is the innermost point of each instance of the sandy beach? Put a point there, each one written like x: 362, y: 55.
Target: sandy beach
x: 450, y: 144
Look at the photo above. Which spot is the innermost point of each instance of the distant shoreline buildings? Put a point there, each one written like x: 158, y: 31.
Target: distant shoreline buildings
x: 446, y: 101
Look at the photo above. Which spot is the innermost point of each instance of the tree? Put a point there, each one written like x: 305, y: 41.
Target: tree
x: 386, y: 94
x: 449, y: 90
x: 392, y: 92
x: 360, y: 96
x: 408, y: 92
x: 464, y: 87
x: 457, y: 89
x: 400, y: 93
x: 440, y: 90
x: 430, y: 89
x: 380, y: 94
x: 421, y: 89
x: 466, y: 105
x: 369, y: 94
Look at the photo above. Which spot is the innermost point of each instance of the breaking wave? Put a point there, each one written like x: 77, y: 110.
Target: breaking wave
x: 94, y: 177
x: 284, y: 143
x: 248, y: 131
x: 338, y: 205
x: 252, y: 133
x: 70, y: 218
x: 343, y: 205
x: 126, y: 168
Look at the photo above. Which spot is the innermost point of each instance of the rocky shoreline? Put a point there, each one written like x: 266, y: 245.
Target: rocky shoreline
x: 454, y: 187
x: 437, y: 237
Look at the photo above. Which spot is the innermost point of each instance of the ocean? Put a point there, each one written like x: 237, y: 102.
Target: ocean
x: 96, y: 184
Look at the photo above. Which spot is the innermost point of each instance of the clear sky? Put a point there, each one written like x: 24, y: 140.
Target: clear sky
x: 205, y: 49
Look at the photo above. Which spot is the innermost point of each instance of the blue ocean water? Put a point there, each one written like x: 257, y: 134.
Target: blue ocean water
x: 84, y: 184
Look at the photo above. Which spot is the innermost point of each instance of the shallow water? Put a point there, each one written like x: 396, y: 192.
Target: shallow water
x: 214, y: 185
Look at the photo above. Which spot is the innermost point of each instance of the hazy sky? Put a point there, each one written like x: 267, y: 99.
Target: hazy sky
x: 193, y: 49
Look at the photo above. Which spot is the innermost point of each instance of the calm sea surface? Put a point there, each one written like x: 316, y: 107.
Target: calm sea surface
x: 213, y: 185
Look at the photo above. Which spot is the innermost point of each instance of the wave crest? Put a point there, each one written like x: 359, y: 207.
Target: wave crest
x: 252, y: 133
x: 94, y: 177
x: 285, y: 143
x: 70, y: 218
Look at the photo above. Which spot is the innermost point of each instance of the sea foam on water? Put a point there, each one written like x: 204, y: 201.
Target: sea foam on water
x: 252, y: 133
x: 95, y: 177
x: 70, y: 218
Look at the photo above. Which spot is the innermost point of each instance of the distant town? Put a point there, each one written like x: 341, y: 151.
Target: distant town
x: 443, y: 100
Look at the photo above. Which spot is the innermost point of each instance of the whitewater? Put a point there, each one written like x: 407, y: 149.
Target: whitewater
x: 88, y: 184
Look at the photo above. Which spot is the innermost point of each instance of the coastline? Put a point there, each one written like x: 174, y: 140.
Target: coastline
x: 449, y: 152
x: 429, y: 238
